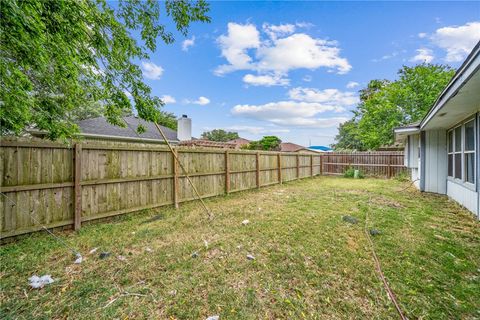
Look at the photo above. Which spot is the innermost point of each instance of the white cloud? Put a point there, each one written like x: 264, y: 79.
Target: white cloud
x: 168, y: 99
x: 151, y: 71
x: 352, y: 84
x: 302, y: 109
x: 275, y: 31
x: 187, y: 43
x: 255, y: 130
x: 423, y: 55
x: 331, y: 97
x: 234, y: 47
x: 201, y: 101
x: 422, y: 35
x: 457, y: 41
x: 307, y: 78
x: 300, y: 51
x: 265, y: 80
x: 283, y: 51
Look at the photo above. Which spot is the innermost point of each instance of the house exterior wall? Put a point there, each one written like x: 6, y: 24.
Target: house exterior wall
x: 463, y: 195
x: 468, y: 195
x: 434, y: 163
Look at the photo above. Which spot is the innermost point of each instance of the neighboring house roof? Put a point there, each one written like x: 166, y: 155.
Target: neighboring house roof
x: 290, y: 147
x: 320, y: 148
x: 100, y: 128
x: 208, y: 144
x: 240, y: 141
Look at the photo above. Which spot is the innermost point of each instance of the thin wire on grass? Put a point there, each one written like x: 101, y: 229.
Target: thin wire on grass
x: 60, y: 240
x: 390, y: 292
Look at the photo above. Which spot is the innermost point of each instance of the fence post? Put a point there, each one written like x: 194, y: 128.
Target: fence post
x: 227, y: 173
x: 257, y: 172
x: 390, y: 166
x: 321, y: 165
x: 298, y: 167
x: 279, y: 165
x: 311, y: 165
x: 175, y: 178
x: 77, y: 159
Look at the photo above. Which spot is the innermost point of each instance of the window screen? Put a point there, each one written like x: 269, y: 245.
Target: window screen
x: 458, y: 165
x: 470, y: 167
x: 470, y: 136
x: 450, y: 141
x: 458, y: 139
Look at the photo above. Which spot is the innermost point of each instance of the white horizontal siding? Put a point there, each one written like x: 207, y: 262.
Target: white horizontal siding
x: 466, y: 197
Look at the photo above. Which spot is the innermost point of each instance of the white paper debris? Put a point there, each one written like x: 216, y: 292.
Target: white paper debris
x: 79, y: 258
x: 213, y: 318
x: 121, y: 258
x: 205, y: 242
x: 245, y: 222
x: 148, y: 249
x: 37, y: 282
x: 250, y: 257
x: 93, y: 251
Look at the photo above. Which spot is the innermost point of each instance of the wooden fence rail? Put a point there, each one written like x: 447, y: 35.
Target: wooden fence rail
x: 45, y: 184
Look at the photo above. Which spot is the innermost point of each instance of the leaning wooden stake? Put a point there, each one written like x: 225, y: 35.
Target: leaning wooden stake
x: 209, y: 213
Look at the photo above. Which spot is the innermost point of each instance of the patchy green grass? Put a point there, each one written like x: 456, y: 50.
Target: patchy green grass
x: 309, y: 263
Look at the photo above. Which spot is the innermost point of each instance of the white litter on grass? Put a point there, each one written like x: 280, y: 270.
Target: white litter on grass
x: 213, y: 318
x: 250, y: 257
x: 148, y: 249
x: 79, y: 258
x: 93, y: 251
x: 245, y: 222
x: 121, y: 258
x: 37, y: 282
x: 205, y: 242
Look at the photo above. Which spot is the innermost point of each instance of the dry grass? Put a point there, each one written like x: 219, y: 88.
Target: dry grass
x: 308, y: 262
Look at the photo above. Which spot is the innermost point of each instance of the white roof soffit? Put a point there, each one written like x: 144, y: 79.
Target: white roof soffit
x: 402, y: 133
x: 460, y: 98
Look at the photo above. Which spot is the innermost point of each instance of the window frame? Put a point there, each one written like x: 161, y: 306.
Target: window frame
x: 454, y: 151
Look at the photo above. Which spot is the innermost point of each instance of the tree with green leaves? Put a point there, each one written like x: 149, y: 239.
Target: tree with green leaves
x: 219, y: 135
x: 385, y: 105
x: 268, y: 143
x: 58, y: 56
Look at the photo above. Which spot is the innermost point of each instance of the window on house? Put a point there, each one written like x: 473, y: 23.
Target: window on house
x: 469, y: 151
x: 450, y: 153
x: 458, y: 152
x: 461, y: 152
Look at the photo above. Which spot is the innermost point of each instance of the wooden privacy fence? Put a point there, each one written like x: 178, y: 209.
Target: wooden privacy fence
x: 56, y: 185
x: 377, y: 163
x: 53, y: 185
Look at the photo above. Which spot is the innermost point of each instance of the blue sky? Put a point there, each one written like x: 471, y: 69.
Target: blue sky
x: 293, y: 69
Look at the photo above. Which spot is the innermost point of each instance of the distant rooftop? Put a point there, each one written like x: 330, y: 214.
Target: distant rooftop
x: 101, y: 128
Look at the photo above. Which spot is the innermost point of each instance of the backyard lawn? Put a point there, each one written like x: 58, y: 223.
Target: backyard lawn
x: 308, y: 262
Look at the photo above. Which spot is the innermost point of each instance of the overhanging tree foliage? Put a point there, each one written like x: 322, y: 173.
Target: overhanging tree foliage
x: 268, y: 143
x: 58, y: 56
x: 220, y: 135
x: 385, y: 105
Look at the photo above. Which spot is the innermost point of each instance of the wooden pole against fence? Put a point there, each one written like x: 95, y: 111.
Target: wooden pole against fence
x: 77, y: 190
x: 175, y: 178
x: 257, y: 171
x: 279, y: 165
x: 227, y: 173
